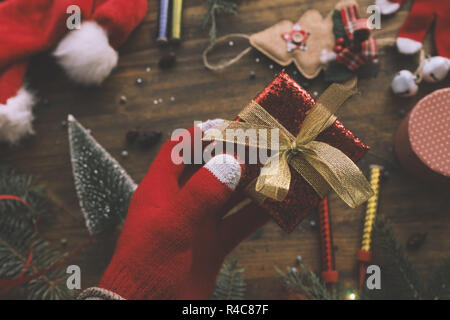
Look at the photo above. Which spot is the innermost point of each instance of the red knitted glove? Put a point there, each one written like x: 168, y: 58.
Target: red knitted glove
x: 174, y: 239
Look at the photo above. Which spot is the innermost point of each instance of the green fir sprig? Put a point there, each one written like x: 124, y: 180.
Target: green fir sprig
x: 217, y: 7
x: 230, y: 284
x: 302, y: 281
x: 400, y: 278
x: 19, y: 237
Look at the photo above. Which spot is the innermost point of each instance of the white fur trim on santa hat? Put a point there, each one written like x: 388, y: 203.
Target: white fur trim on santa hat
x: 225, y: 168
x: 86, y: 54
x: 387, y: 7
x: 16, y: 116
x: 408, y: 46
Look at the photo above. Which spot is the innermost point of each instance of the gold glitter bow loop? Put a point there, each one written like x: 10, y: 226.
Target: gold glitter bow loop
x: 320, y: 164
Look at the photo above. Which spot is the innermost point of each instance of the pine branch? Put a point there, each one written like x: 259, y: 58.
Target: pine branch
x: 25, y: 187
x: 400, y: 278
x: 306, y: 282
x: 103, y: 187
x: 230, y: 283
x: 217, y: 7
x: 18, y: 238
x: 439, y: 283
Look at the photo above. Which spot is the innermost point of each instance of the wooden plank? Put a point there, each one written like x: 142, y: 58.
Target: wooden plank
x: 200, y: 95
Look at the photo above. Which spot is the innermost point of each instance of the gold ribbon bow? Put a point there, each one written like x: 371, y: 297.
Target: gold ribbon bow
x: 320, y: 164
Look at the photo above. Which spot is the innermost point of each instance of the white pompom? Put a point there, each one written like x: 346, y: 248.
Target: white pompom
x: 86, y: 54
x: 327, y: 56
x: 435, y: 69
x: 404, y: 84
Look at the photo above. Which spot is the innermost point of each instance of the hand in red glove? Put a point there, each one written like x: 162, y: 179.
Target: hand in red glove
x: 174, y: 239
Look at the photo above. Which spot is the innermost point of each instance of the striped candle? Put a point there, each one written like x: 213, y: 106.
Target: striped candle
x: 329, y: 274
x: 177, y: 14
x: 365, y: 254
x: 163, y: 21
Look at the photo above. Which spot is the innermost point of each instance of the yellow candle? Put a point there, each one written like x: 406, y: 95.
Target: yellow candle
x: 177, y: 12
x: 372, y: 204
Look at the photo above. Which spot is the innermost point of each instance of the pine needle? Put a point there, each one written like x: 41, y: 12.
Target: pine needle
x: 400, y: 277
x: 230, y: 284
x: 217, y: 7
x: 18, y: 238
x: 302, y: 281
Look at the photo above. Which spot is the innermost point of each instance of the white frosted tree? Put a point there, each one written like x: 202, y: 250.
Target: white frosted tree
x: 103, y: 187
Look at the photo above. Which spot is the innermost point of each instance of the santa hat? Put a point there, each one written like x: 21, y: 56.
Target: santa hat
x: 87, y: 54
x: 423, y: 14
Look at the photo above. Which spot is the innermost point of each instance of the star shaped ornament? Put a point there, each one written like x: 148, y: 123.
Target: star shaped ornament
x: 296, y: 38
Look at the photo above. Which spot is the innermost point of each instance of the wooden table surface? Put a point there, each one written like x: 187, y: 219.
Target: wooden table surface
x: 373, y: 115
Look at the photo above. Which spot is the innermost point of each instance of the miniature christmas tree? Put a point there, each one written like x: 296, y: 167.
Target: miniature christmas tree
x: 104, y: 188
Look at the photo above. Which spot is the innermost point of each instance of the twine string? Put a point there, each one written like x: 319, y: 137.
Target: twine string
x: 224, y: 64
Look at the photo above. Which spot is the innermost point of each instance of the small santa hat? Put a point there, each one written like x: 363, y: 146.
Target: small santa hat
x: 87, y: 54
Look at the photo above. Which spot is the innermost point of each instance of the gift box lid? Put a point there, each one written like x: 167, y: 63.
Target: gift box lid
x: 429, y: 131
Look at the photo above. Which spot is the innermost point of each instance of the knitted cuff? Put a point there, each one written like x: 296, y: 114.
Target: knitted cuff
x: 95, y: 293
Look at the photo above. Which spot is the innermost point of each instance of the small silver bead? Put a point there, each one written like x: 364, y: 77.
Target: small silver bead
x: 231, y: 43
x: 124, y: 153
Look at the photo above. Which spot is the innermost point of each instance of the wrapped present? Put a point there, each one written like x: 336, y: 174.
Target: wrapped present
x: 315, y: 152
x: 421, y: 143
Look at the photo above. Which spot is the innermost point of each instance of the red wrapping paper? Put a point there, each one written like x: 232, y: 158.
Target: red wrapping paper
x: 289, y: 103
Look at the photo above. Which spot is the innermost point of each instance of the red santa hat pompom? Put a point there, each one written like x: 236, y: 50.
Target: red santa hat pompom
x: 87, y: 54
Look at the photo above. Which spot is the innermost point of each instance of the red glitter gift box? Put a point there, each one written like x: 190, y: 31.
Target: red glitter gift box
x: 289, y: 104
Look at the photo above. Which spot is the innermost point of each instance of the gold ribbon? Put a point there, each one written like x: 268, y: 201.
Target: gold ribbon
x: 320, y: 164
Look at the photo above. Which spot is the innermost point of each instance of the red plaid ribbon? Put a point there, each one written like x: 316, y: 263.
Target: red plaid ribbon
x: 368, y: 49
x: 352, y: 22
